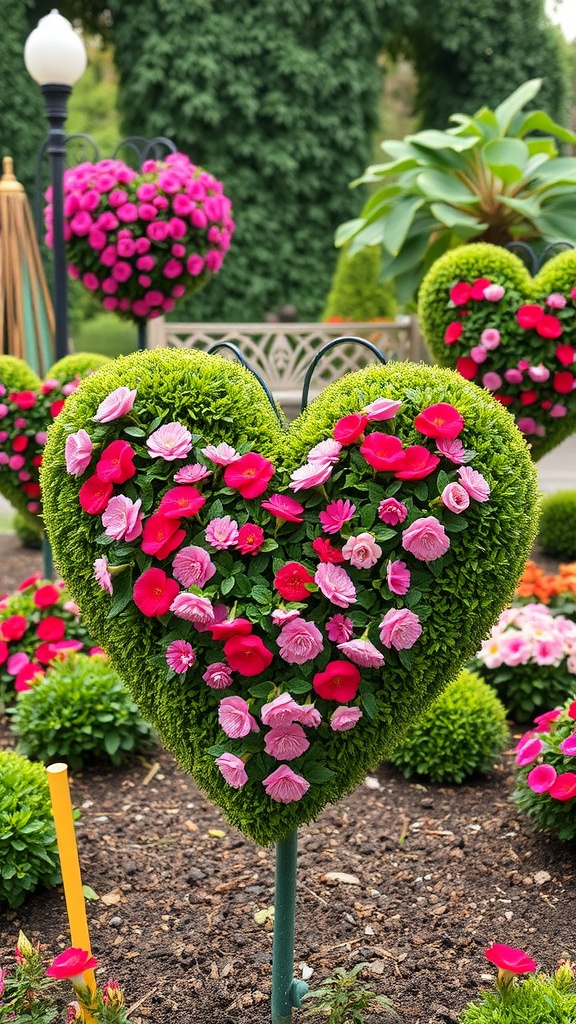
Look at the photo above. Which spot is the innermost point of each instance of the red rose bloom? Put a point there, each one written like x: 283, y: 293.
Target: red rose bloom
x: 460, y: 293
x: 37, y: 460
x: 250, y: 539
x: 326, y: 552
x: 284, y: 507
x: 507, y: 958
x: 46, y: 596
x: 565, y: 354
x: 71, y: 962
x: 26, y: 675
x: 57, y: 407
x: 290, y: 582
x: 45, y: 653
x: 51, y: 629
x: 161, y: 536
x: 467, y: 367
x: 418, y: 463
x: 228, y: 628
x: 20, y: 443
x: 339, y: 681
x: 478, y: 287
x: 4, y: 652
x: 503, y: 399
x: 250, y: 475
x: 24, y: 399
x: 30, y: 581
x: 115, y: 465
x: 528, y: 316
x: 13, y: 628
x: 549, y: 326
x: 529, y: 397
x: 441, y: 420
x: 247, y: 655
x: 31, y: 489
x: 563, y: 382
x: 181, y: 501
x: 154, y: 592
x: 383, y: 451
x: 453, y: 332
x: 94, y: 495
x: 349, y: 428
x: 546, y: 404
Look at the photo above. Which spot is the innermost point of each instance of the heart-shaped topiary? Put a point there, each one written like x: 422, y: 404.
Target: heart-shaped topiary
x: 140, y: 242
x: 284, y: 603
x: 483, y: 314
x: 27, y: 407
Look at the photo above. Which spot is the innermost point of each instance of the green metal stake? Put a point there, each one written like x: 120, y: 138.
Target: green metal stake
x: 47, y: 563
x: 286, y: 990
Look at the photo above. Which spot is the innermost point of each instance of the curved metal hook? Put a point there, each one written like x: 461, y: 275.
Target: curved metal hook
x: 234, y: 348
x: 37, y: 203
x: 143, y: 147
x: 326, y: 348
x: 548, y: 251
x: 531, y: 260
x: 537, y: 260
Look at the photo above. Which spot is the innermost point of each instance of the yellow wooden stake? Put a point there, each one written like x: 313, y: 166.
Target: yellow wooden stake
x: 70, y: 865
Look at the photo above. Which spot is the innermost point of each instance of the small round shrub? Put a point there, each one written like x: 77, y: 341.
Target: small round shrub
x: 356, y: 292
x: 557, y: 531
x: 459, y: 736
x: 28, y: 850
x: 532, y: 999
x: 29, y: 534
x: 545, y: 772
x: 79, y: 712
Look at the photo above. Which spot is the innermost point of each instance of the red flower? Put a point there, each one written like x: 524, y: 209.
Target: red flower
x: 529, y: 397
x: 115, y: 465
x: 20, y: 443
x: 181, y: 501
x: 339, y: 681
x: 154, y: 592
x: 31, y: 489
x: 290, y: 582
x: 565, y: 354
x: 460, y: 293
x: 13, y: 628
x: 24, y: 399
x: 228, y: 628
x: 250, y: 539
x: 478, y: 287
x: 57, y: 407
x: 247, y: 655
x: 30, y: 581
x: 441, y: 420
x: 45, y: 653
x: 571, y: 712
x: 161, y: 536
x: 250, y: 475
x: 46, y: 596
x: 284, y: 507
x: 418, y: 463
x: 94, y: 495
x: 564, y: 787
x: 467, y: 367
x: 503, y: 399
x: 326, y: 552
x: 528, y: 316
x: 71, y: 962
x: 26, y: 675
x: 51, y: 628
x: 453, y: 332
x: 4, y: 652
x: 563, y: 382
x: 383, y: 451
x: 37, y: 460
x: 507, y: 958
x: 349, y: 428
x: 549, y: 326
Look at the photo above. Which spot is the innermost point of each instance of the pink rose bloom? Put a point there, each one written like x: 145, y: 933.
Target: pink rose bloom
x: 527, y: 424
x: 325, y: 451
x: 568, y: 746
x: 492, y: 381
x: 102, y: 575
x: 541, y: 778
x: 222, y: 533
x: 192, y: 474
x: 515, y: 648
x: 339, y: 628
x: 382, y: 409
x: 514, y: 376
x: 169, y: 442
x: 218, y: 675
x: 490, y: 338
x: 299, y: 641
x: 345, y: 718
x: 544, y: 720
x: 235, y: 718
x: 308, y: 715
x: 337, y: 513
x: 335, y: 583
x: 194, y: 265
x: 41, y: 437
x: 193, y: 608
x: 494, y: 292
x: 122, y: 518
x: 281, y: 711
x: 426, y: 539
x: 16, y: 461
x: 16, y: 662
x: 455, y: 498
x: 311, y: 475
x: 392, y: 512
x: 548, y: 651
x: 280, y: 617
x: 557, y: 411
x: 400, y: 628
x: 529, y: 751
x: 398, y: 577
x: 285, y: 742
x: 284, y: 786
x: 221, y: 454
x: 539, y: 374
x: 78, y: 452
x: 556, y: 300
x: 362, y: 551
x: 193, y: 566
x: 363, y: 653
x: 479, y: 354
x: 180, y: 656
x: 452, y: 450
x: 232, y: 768
x: 117, y: 404
x: 472, y: 481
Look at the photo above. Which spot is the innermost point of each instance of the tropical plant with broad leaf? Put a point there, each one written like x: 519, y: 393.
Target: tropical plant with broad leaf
x: 495, y: 177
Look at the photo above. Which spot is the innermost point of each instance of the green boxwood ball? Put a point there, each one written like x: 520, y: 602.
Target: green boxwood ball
x: 28, y: 850
x: 557, y: 533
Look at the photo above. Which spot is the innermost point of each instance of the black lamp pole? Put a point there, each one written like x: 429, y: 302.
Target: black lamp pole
x: 56, y: 103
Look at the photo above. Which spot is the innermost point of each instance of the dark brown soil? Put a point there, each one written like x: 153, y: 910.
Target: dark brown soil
x: 439, y: 873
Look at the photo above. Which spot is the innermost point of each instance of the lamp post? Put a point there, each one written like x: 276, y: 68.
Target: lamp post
x: 55, y: 57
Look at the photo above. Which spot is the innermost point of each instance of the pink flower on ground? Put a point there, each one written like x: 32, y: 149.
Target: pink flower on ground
x: 529, y: 751
x: 426, y: 539
x: 222, y: 533
x: 193, y: 608
x: 392, y: 512
x: 118, y: 403
x: 507, y: 958
x: 335, y: 584
x: 235, y: 718
x: 398, y: 577
x: 221, y: 454
x: 285, y: 742
x: 78, y: 452
x: 472, y: 481
x: 191, y: 474
x: 400, y: 628
x: 218, y: 675
x: 193, y: 566
x: 345, y: 718
x: 122, y: 518
x: 311, y: 475
x: 71, y: 963
x: 339, y: 628
x: 285, y: 786
x: 336, y: 514
x: 382, y: 409
x: 452, y: 449
x: 299, y: 641
x: 102, y: 575
x: 180, y: 656
x: 455, y: 498
x: 363, y: 653
x: 362, y: 551
x: 233, y: 770
x: 541, y: 778
x: 284, y: 507
x: 169, y: 442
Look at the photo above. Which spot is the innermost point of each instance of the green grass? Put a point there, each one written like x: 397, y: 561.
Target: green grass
x: 107, y: 335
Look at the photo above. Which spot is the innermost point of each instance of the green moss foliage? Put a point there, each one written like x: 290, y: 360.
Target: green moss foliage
x: 557, y: 531
x: 28, y: 851
x: 534, y: 998
x: 356, y: 292
x: 221, y: 401
x: 460, y: 736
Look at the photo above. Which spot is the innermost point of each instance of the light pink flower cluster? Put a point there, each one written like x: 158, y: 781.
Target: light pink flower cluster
x: 530, y: 635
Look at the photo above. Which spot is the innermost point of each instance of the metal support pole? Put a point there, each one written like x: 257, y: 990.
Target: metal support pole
x: 56, y: 102
x: 286, y: 990
x: 47, y: 563
x: 142, y: 335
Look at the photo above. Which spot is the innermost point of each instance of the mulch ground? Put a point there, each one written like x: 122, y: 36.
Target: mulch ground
x: 435, y: 875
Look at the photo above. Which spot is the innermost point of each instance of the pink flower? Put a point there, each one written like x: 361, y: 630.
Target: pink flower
x: 440, y: 420
x: 494, y: 292
x: 490, y: 338
x: 191, y: 474
x: 335, y: 584
x: 541, y: 778
x: 122, y: 518
x: 232, y: 768
x: 400, y: 628
x: 564, y: 786
x: 169, y: 442
x: 557, y: 411
x: 235, y: 718
x: 180, y: 656
x: 455, y: 498
x: 529, y: 751
x: 281, y: 711
x: 221, y: 454
x: 472, y: 481
x: 392, y: 512
x: 363, y: 653
x: 382, y: 409
x: 514, y: 376
x: 222, y: 533
x: 426, y: 539
x: 568, y: 746
x: 492, y: 381
x: 102, y: 575
x: 250, y: 474
x: 325, y: 451
x: 452, y: 449
x: 284, y: 507
x: 71, y: 963
x: 544, y: 721
x: 344, y: 718
x: 284, y: 786
x: 337, y: 513
x: 193, y: 566
x: 556, y: 300
x: 311, y: 475
x: 280, y: 617
x: 479, y: 354
x: 362, y: 551
x: 398, y: 577
x: 339, y: 628
x: 539, y: 374
x: 78, y: 452
x: 299, y: 641
x: 193, y: 608
x: 507, y: 958
x: 285, y: 742
x: 218, y: 675
x: 117, y: 404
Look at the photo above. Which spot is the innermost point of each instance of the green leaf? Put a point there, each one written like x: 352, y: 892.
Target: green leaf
x: 89, y: 893
x: 317, y: 772
x: 378, y: 171
x: 514, y: 103
x: 540, y: 121
x: 457, y: 220
x: 261, y: 689
x: 121, y: 594
x: 347, y: 230
x: 111, y: 742
x: 433, y: 139
x: 260, y: 594
x: 134, y: 431
x: 558, y: 220
x: 228, y: 584
x: 370, y: 705
x: 269, y: 544
x: 445, y: 187
x: 506, y: 158
x: 398, y: 223
x: 371, y: 234
x: 216, y: 750
x: 299, y: 686
x: 529, y: 208
x: 560, y: 170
